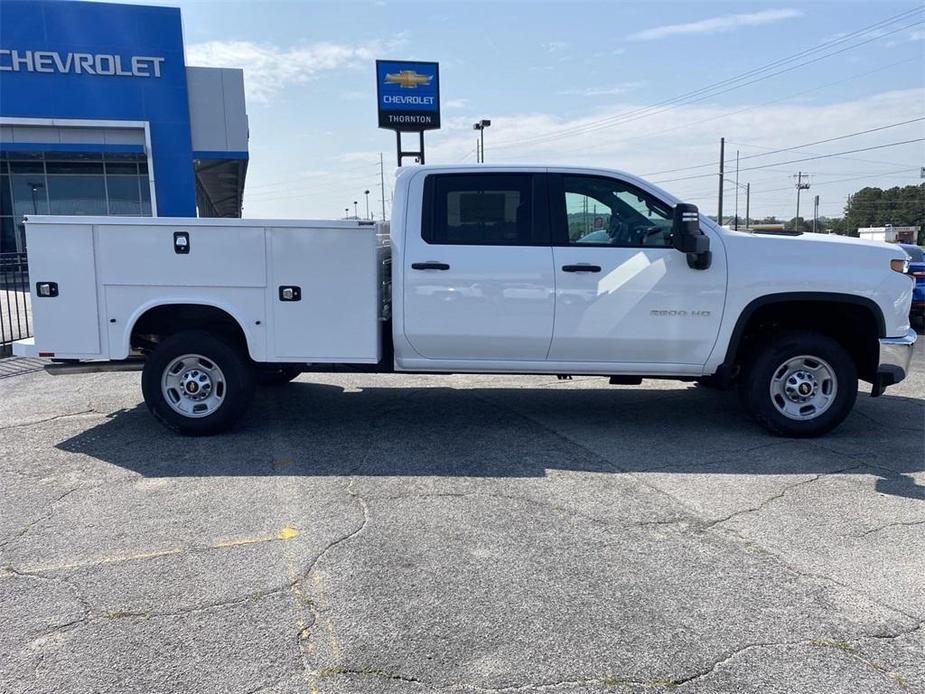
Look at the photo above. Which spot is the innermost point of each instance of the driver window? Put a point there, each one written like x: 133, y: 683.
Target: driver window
x: 607, y: 212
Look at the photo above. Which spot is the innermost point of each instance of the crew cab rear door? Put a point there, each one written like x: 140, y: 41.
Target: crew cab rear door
x: 478, y: 281
x: 623, y: 294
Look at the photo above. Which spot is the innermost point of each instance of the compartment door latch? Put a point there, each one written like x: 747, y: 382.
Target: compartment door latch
x: 290, y: 293
x: 181, y: 242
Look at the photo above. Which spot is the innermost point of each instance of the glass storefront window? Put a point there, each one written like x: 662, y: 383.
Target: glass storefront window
x: 7, y: 236
x: 29, y: 194
x: 124, y: 195
x: 74, y: 167
x: 84, y: 195
x: 6, y: 196
x: 73, y: 184
x: 145, y: 196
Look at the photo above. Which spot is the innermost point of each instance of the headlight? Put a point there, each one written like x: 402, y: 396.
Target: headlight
x: 900, y: 266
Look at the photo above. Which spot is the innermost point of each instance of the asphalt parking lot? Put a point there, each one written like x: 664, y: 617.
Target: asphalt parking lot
x: 391, y: 533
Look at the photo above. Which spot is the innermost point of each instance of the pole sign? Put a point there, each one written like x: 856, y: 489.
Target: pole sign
x: 408, y: 95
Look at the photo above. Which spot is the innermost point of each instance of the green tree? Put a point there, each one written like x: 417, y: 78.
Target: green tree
x: 875, y: 207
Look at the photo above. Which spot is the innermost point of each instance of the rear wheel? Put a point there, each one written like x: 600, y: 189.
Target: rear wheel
x: 800, y: 384
x: 197, y: 384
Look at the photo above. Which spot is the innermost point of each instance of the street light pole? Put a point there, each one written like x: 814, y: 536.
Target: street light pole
x: 366, y: 193
x: 480, y: 126
x: 356, y: 215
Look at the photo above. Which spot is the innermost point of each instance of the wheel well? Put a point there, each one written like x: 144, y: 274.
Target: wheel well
x: 160, y: 322
x: 853, y: 324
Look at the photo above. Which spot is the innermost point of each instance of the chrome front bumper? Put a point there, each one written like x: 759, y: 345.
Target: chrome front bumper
x: 894, y: 360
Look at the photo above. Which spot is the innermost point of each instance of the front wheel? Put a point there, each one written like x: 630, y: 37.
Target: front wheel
x: 197, y: 384
x: 800, y: 384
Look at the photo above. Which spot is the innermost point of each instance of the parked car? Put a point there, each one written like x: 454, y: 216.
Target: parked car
x: 917, y: 269
x: 483, y: 269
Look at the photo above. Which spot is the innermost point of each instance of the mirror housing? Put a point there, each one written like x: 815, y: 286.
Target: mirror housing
x: 687, y: 237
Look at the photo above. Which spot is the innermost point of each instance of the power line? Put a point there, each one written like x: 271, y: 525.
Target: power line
x: 899, y: 173
x: 796, y: 161
x: 790, y: 149
x: 811, y: 90
x: 295, y: 178
x: 710, y: 90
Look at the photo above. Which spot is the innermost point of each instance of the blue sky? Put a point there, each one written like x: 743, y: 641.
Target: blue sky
x: 547, y: 73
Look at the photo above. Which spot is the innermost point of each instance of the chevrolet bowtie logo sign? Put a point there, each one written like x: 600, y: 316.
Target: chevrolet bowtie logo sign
x: 408, y: 79
x: 407, y: 95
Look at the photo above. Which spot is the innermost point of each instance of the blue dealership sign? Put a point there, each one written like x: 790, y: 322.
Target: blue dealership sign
x: 103, y: 62
x: 408, y: 95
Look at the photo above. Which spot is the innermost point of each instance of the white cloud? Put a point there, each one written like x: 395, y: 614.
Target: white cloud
x: 456, y: 103
x: 681, y: 137
x: 555, y: 46
x: 603, y: 91
x: 729, y: 22
x: 268, y: 69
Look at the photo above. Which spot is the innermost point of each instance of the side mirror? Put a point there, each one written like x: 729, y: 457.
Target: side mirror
x: 687, y: 237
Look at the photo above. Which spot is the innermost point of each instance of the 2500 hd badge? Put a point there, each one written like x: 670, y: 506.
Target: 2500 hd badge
x: 678, y: 314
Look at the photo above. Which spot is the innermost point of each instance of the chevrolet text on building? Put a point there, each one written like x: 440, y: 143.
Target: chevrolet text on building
x: 101, y: 115
x: 483, y: 269
x: 12, y: 60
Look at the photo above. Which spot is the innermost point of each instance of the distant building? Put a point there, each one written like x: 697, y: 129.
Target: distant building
x: 889, y: 233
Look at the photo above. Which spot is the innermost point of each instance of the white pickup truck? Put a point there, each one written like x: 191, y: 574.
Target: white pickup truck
x: 484, y: 269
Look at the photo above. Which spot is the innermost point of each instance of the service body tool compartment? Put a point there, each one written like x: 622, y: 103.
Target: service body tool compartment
x: 66, y: 324
x: 324, y: 293
x: 145, y: 263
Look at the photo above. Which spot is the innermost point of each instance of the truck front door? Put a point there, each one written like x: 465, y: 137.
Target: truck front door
x: 623, y: 294
x: 478, y: 269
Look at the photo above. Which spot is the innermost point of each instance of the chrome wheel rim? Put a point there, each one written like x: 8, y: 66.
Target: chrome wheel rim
x: 193, y: 386
x: 803, y: 387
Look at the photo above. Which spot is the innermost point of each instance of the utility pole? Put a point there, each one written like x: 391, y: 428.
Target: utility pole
x: 382, y: 184
x: 748, y: 201
x: 800, y: 185
x: 815, y: 212
x: 736, y: 221
x: 722, y: 157
x: 848, y: 215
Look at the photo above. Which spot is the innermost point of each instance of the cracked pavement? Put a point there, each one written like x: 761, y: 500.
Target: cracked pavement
x: 394, y: 533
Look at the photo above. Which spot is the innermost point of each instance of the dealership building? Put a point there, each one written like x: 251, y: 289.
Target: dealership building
x: 100, y: 115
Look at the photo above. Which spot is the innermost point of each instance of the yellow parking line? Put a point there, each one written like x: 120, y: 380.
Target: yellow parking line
x: 286, y: 533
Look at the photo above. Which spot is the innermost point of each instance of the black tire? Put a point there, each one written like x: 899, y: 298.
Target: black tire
x: 237, y: 382
x: 756, y: 382
x: 268, y: 375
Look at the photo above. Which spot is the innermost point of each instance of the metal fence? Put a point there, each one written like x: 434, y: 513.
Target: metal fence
x: 15, y: 300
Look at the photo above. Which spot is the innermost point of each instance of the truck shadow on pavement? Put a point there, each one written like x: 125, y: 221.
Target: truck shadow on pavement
x: 316, y: 429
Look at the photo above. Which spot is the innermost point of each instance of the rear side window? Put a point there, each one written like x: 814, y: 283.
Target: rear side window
x: 479, y: 209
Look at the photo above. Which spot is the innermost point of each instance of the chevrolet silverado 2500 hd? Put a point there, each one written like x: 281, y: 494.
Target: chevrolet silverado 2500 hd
x: 484, y: 269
